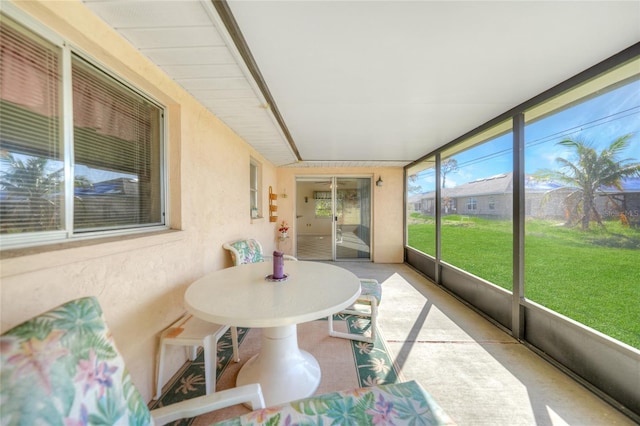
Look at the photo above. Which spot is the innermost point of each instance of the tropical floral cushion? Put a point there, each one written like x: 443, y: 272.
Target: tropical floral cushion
x: 62, y: 368
x: 248, y: 251
x: 395, y: 404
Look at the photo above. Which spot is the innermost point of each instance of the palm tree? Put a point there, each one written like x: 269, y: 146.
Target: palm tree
x: 27, y: 178
x: 27, y: 188
x: 31, y: 194
x: 591, y: 171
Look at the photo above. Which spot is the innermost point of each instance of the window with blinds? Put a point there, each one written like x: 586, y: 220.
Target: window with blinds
x: 115, y: 171
x: 116, y: 153
x: 31, y: 150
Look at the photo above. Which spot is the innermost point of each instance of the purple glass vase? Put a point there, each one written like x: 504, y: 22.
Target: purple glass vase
x: 278, y: 265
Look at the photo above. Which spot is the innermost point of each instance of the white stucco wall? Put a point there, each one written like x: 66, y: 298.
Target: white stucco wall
x: 140, y: 280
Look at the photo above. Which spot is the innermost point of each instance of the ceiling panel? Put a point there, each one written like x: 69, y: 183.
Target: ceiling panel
x: 214, y: 84
x: 121, y: 14
x: 374, y: 80
x: 203, y: 71
x: 190, y: 55
x: 149, y: 38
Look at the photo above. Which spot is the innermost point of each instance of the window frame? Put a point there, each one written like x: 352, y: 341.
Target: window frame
x: 593, y: 352
x: 255, y: 188
x: 472, y: 204
x: 68, y: 51
x: 492, y: 203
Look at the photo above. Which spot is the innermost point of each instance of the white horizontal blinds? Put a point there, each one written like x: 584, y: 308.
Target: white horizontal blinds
x: 116, y: 153
x: 31, y: 168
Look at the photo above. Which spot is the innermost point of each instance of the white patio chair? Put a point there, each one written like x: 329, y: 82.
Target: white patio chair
x: 192, y: 333
x: 370, y: 296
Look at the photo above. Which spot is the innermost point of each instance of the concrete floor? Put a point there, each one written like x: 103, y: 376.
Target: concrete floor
x: 478, y: 373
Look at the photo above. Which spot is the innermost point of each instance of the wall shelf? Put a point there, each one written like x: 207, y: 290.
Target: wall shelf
x: 273, y: 208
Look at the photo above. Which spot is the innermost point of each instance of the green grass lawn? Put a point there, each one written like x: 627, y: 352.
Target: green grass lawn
x: 592, y: 277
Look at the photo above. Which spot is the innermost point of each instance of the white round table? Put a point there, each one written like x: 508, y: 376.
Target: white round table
x: 242, y: 297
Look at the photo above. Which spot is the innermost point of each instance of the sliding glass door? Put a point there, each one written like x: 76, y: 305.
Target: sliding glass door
x: 314, y: 213
x: 333, y: 218
x: 353, y: 218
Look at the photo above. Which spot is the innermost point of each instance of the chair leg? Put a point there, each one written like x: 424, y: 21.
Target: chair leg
x: 373, y: 317
x: 234, y: 343
x: 374, y: 321
x: 159, y: 369
x: 351, y: 336
x: 192, y: 352
x: 210, y: 363
x: 330, y: 322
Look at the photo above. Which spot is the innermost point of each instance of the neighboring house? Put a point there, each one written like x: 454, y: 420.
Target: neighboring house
x: 614, y: 202
x: 111, y: 202
x: 488, y: 197
x: 492, y: 197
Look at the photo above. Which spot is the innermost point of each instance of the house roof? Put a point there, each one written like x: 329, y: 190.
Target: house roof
x: 503, y: 184
x: 498, y: 184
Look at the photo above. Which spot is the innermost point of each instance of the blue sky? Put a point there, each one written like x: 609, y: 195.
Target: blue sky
x: 599, y: 121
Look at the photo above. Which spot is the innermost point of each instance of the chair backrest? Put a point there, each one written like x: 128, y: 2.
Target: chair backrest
x: 391, y: 404
x: 62, y: 367
x: 245, y: 251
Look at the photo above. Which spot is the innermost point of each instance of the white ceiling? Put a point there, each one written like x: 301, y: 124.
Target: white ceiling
x: 369, y: 83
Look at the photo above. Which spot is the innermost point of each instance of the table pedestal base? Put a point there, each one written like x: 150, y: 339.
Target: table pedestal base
x: 284, y: 372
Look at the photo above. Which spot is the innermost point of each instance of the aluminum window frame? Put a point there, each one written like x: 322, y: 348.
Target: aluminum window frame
x: 584, y: 354
x: 68, y: 51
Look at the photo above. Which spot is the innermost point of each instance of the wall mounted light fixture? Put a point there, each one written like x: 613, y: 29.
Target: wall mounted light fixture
x: 379, y: 182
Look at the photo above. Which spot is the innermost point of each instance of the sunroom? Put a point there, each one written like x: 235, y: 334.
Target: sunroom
x: 437, y: 137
